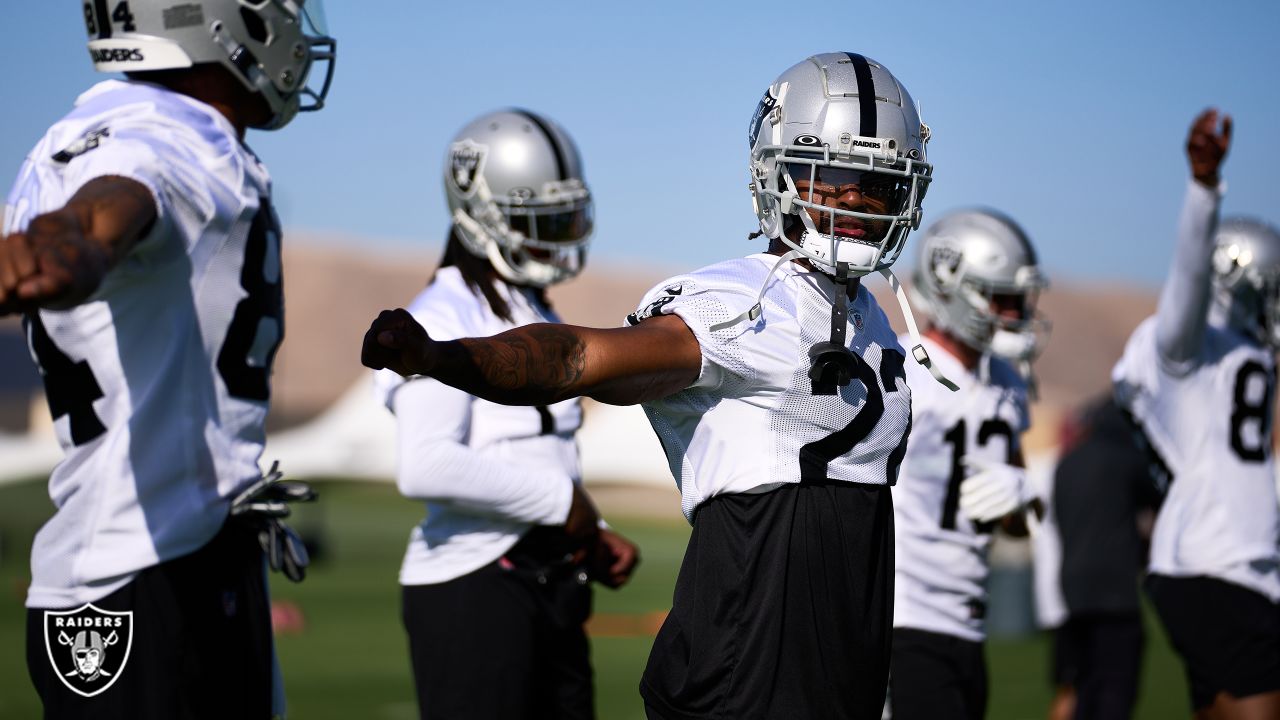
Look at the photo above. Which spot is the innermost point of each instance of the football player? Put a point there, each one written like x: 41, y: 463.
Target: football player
x: 1199, y: 378
x: 495, y: 579
x: 142, y: 249
x: 977, y: 280
x: 778, y: 390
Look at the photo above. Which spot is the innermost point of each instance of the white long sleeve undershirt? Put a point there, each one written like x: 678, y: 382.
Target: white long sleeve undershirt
x: 436, y: 464
x: 1183, y: 312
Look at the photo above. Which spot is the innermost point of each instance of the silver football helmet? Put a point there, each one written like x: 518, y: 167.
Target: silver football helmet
x: 834, y: 121
x: 515, y: 188
x: 269, y: 45
x: 972, y: 265
x: 1246, y: 264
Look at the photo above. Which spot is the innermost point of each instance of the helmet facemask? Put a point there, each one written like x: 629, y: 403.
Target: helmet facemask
x: 792, y: 183
x: 283, y: 21
x: 988, y: 327
x: 530, y: 242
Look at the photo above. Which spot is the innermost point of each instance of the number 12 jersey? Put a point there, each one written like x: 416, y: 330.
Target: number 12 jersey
x: 941, y: 557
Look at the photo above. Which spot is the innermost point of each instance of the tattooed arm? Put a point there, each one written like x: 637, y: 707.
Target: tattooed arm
x: 544, y: 363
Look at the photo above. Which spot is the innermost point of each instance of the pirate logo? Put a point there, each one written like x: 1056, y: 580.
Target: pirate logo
x: 944, y: 263
x: 466, y: 162
x: 88, y: 647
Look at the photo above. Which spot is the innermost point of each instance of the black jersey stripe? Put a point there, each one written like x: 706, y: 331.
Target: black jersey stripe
x: 866, y: 95
x: 103, y: 14
x: 547, y: 420
x: 562, y: 163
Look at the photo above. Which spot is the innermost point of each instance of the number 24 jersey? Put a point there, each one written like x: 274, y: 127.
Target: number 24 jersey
x: 158, y: 384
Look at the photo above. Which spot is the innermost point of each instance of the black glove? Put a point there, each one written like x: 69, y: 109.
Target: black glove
x: 263, y: 505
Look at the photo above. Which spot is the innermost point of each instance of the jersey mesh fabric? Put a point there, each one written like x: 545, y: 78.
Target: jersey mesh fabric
x: 742, y: 425
x: 155, y: 440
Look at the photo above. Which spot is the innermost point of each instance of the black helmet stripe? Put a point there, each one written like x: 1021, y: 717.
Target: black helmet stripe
x: 562, y: 163
x: 103, y: 14
x: 866, y: 95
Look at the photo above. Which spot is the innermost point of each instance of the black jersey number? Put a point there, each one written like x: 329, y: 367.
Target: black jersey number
x: 1258, y: 414
x: 123, y: 17
x: 957, y: 437
x: 817, y: 455
x: 90, y: 21
x: 69, y: 386
x: 258, y: 324
x: 98, y: 22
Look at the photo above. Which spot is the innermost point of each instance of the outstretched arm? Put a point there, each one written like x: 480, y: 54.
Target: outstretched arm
x: 1183, y: 312
x: 62, y: 257
x: 544, y: 363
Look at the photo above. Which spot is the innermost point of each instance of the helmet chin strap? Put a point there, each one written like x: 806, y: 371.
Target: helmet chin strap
x: 832, y: 363
x: 1018, y: 348
x: 753, y: 312
x: 918, y: 352
x: 539, y: 275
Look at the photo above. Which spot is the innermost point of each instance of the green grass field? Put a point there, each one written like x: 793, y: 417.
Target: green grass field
x: 351, y: 660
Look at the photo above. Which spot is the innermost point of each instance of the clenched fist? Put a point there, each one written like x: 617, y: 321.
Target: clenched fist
x: 52, y: 265
x: 1207, y: 146
x: 397, y: 342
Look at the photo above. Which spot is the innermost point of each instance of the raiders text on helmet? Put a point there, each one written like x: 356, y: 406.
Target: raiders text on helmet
x: 967, y: 259
x: 1246, y: 263
x: 834, y: 121
x: 269, y: 45
x: 516, y: 191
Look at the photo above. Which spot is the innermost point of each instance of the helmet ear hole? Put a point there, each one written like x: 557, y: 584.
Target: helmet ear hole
x: 254, y: 25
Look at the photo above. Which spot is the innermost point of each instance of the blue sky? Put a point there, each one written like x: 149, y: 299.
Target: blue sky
x: 1069, y: 117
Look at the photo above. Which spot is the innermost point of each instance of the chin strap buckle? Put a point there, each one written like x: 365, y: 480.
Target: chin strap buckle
x: 833, y: 366
x: 918, y: 352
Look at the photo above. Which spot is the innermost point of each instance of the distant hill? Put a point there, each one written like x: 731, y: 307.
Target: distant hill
x: 333, y: 292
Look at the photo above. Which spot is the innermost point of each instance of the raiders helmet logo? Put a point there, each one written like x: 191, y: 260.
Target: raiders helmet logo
x: 88, y: 647
x: 466, y: 163
x: 944, y: 263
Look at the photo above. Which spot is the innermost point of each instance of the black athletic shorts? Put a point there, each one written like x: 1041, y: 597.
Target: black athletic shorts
x: 1228, y: 636
x: 936, y: 676
x: 505, y: 642
x: 200, y: 644
x: 782, y: 609
x: 1099, y: 655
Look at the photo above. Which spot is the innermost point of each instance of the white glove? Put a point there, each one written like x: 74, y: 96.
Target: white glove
x: 993, y: 491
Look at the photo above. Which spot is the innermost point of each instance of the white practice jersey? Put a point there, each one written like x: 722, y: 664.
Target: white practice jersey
x: 941, y: 558
x: 487, y: 472
x: 158, y: 384
x: 1210, y: 424
x: 751, y: 422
